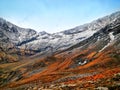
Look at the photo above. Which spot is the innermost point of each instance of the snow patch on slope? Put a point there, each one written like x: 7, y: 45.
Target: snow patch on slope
x: 82, y: 63
x: 111, y: 40
x: 111, y: 36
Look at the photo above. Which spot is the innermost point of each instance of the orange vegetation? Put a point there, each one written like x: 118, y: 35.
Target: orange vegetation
x: 105, y: 74
x: 52, y: 71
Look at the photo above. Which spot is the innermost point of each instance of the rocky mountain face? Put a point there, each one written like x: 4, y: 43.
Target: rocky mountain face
x: 14, y: 33
x: 85, y: 57
x: 44, y: 42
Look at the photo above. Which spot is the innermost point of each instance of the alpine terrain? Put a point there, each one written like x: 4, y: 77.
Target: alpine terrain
x: 86, y: 57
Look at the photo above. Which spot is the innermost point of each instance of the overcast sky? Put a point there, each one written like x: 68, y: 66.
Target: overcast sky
x: 55, y: 15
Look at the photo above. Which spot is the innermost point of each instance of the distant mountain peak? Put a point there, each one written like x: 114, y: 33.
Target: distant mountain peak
x: 43, y: 33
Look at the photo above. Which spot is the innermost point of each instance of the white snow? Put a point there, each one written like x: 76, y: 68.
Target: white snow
x: 20, y: 39
x: 111, y: 40
x: 80, y: 63
x: 111, y: 36
x: 104, y: 47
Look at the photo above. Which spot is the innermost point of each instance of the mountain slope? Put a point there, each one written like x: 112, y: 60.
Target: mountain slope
x: 65, y: 39
x: 90, y: 62
x: 45, y: 42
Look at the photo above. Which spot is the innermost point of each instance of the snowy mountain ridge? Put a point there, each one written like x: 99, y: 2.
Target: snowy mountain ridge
x: 43, y: 41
